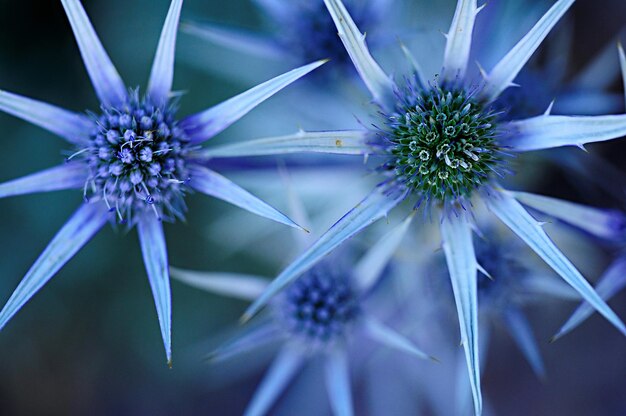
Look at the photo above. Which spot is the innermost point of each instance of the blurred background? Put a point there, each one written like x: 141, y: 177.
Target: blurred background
x: 89, y: 342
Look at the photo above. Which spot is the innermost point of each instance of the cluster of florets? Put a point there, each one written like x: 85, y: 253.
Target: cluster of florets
x: 320, y: 305
x: 312, y: 34
x: 136, y: 157
x: 442, y: 142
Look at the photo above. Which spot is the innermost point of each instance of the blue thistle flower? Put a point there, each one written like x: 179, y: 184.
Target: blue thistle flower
x: 325, y: 314
x: 443, y: 103
x: 306, y: 31
x: 134, y: 160
x: 301, y: 31
x: 296, y: 30
x: 320, y: 306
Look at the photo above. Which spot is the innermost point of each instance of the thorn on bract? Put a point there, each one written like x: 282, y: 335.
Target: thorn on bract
x: 245, y: 318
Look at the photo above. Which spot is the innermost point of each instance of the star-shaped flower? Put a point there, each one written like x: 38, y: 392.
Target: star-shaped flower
x: 445, y: 144
x: 326, y: 315
x: 134, y: 160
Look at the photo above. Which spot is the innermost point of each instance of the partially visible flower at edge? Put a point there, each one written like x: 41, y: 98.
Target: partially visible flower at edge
x: 321, y: 315
x: 607, y: 225
x: 302, y: 31
x: 545, y: 78
x: 507, y: 284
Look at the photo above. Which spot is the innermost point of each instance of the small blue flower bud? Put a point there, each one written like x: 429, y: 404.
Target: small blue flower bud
x: 145, y: 154
x: 126, y: 155
x: 100, y: 140
x: 154, y: 168
x: 125, y: 121
x: 116, y: 168
x: 152, y: 182
x: 164, y: 130
x: 136, y: 177
x: 130, y: 135
x: 125, y: 186
x: 146, y: 123
x: 113, y: 136
x: 104, y: 153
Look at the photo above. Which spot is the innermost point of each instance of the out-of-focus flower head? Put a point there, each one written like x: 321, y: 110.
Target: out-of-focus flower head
x: 328, y: 315
x: 509, y: 283
x: 305, y: 30
x: 607, y: 226
x: 548, y: 76
x: 300, y: 31
x: 296, y: 30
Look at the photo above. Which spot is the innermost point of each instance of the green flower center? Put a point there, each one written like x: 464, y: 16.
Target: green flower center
x: 443, y: 144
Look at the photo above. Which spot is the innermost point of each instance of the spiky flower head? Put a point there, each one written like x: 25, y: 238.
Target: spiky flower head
x: 136, y: 158
x: 421, y: 109
x: 309, y: 32
x: 442, y: 142
x: 320, y: 306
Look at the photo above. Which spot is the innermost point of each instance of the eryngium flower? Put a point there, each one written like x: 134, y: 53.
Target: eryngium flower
x: 462, y: 161
x: 134, y: 160
x: 301, y: 31
x: 325, y: 314
x: 304, y: 29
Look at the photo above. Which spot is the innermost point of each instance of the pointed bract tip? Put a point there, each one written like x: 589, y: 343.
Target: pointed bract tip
x: 245, y: 318
x: 186, y: 25
x: 434, y: 359
x: 169, y: 363
x: 292, y: 224
x: 482, y: 71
